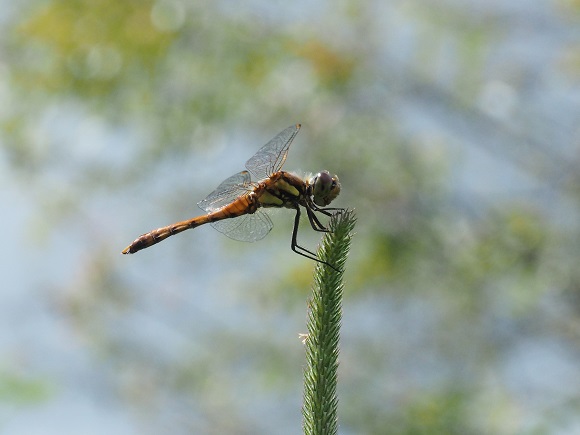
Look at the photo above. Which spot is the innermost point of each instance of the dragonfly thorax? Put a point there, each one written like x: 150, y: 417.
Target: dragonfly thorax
x: 325, y: 188
x: 281, y: 189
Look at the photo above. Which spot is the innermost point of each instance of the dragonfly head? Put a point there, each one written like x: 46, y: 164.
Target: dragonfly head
x: 325, y: 188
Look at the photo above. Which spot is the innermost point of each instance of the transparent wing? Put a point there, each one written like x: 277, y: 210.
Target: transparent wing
x: 230, y: 189
x: 246, y: 228
x: 271, y: 157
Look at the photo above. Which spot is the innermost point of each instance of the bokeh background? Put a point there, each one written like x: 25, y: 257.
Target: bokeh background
x: 455, y: 129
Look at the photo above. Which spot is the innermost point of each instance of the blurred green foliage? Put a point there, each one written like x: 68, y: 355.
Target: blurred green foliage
x: 90, y: 48
x: 16, y: 389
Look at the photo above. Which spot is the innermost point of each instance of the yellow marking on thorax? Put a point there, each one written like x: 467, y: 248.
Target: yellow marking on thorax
x: 284, y: 185
x: 267, y: 198
x: 272, y: 191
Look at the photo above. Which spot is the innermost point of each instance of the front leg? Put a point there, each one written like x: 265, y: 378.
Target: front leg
x: 314, y: 222
x: 326, y: 211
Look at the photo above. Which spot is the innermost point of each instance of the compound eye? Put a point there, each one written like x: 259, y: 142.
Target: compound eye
x: 324, y: 179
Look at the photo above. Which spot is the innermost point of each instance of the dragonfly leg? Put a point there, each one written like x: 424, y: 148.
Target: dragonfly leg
x: 327, y: 211
x: 296, y: 247
x: 314, y: 222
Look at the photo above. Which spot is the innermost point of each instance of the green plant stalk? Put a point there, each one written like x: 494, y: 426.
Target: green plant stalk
x: 320, y: 405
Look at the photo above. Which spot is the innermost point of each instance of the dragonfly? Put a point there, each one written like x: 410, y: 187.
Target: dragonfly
x: 237, y: 206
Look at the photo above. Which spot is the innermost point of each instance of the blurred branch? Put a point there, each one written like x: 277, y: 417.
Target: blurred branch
x: 320, y: 379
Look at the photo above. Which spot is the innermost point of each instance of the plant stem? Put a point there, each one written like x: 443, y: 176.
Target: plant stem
x: 324, y: 318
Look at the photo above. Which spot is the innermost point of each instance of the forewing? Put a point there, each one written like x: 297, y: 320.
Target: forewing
x: 271, y: 157
x: 246, y: 228
x: 230, y: 189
